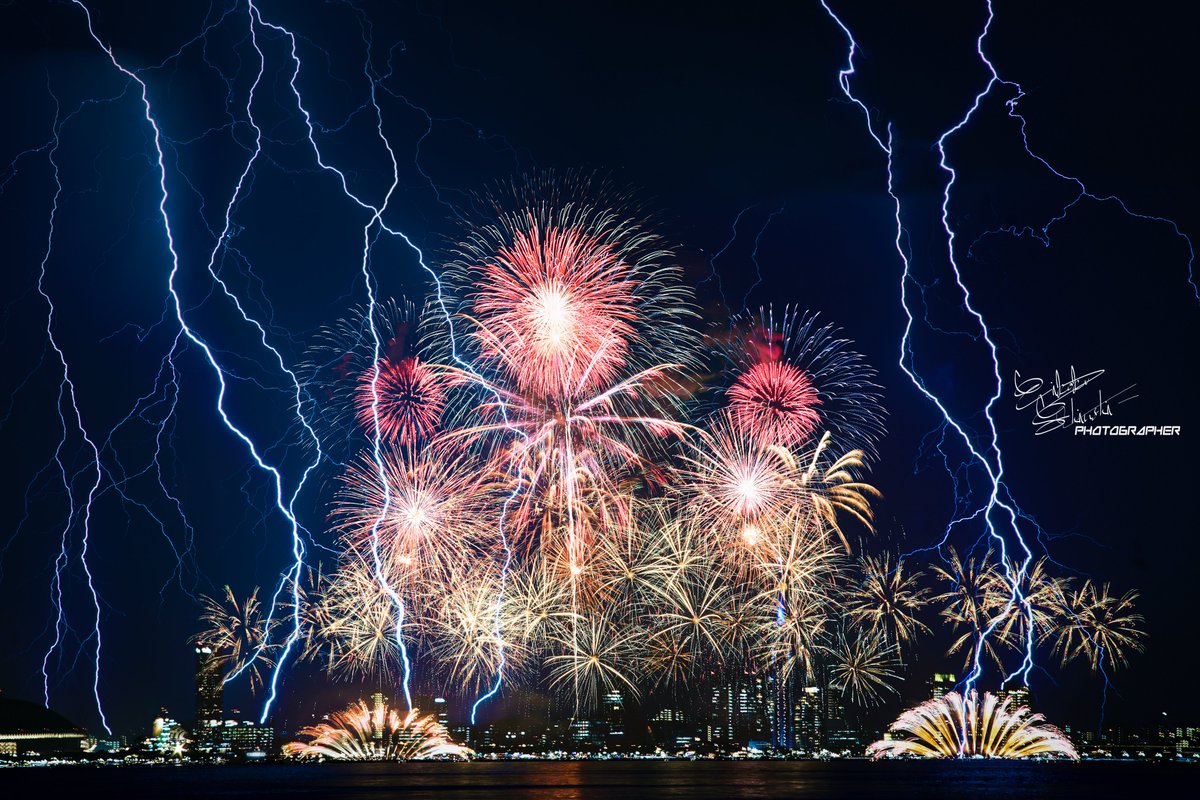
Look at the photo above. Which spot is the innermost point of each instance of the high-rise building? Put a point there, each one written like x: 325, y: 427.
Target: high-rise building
x: 246, y: 739
x: 718, y: 729
x: 738, y: 712
x: 672, y: 730
x: 612, y: 714
x: 378, y: 708
x: 842, y: 731
x: 1019, y: 695
x: 441, y: 712
x: 809, y: 716
x: 942, y: 683
x: 210, y: 698
x: 752, y: 724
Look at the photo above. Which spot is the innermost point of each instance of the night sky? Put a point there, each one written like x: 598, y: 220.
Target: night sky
x: 702, y: 115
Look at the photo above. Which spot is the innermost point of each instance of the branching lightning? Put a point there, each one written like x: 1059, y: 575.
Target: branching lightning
x: 376, y: 219
x: 67, y: 391
x: 1000, y: 512
x: 283, y: 501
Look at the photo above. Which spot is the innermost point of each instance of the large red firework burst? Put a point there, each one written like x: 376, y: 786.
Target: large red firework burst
x: 776, y: 403
x: 795, y: 379
x: 411, y: 397
x: 557, y: 311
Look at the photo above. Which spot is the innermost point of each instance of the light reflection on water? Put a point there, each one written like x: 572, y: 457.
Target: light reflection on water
x: 624, y: 780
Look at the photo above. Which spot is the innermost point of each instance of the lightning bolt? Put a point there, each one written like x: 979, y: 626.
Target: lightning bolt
x: 284, y: 499
x: 1000, y: 512
x: 66, y: 391
x: 284, y: 502
x: 714, y: 276
x: 376, y: 220
x: 116, y: 474
x: 758, y: 276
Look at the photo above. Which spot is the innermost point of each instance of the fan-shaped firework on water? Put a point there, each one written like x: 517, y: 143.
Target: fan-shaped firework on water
x: 360, y: 733
x: 988, y: 727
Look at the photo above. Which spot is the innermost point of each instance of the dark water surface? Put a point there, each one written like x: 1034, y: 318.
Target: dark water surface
x: 613, y: 779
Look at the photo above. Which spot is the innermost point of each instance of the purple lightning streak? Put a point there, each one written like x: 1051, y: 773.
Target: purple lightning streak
x: 996, y: 509
x: 999, y: 502
x: 714, y: 276
x: 286, y: 507
x: 758, y: 279
x: 377, y: 219
x: 67, y: 389
x: 1042, y: 232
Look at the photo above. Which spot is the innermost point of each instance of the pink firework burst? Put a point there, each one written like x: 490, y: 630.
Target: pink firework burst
x: 558, y: 310
x: 411, y: 396
x: 776, y: 403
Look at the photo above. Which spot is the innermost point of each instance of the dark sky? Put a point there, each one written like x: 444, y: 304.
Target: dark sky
x: 703, y: 113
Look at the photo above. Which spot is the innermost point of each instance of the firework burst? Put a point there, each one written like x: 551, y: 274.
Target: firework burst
x: 405, y: 395
x: 595, y: 657
x: 739, y: 488
x: 579, y: 320
x: 238, y: 634
x: 440, y: 508
x: 470, y: 634
x: 886, y: 601
x: 862, y: 667
x: 339, y: 368
x: 775, y: 402
x: 357, y: 637
x: 1096, y: 625
x: 969, y: 603
x: 794, y: 376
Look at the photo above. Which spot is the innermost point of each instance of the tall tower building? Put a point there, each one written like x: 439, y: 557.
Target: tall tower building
x: 942, y: 683
x: 781, y: 710
x: 210, y: 697
x: 378, y: 710
x: 809, y: 719
x: 1019, y: 695
x: 442, y: 712
x: 613, y: 715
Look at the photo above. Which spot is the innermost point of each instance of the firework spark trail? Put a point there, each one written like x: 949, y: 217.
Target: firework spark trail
x: 994, y: 471
x: 286, y: 508
x: 377, y: 219
x: 67, y: 388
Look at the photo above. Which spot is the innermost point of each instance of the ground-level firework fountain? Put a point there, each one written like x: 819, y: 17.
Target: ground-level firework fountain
x: 378, y: 733
x: 989, y: 727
